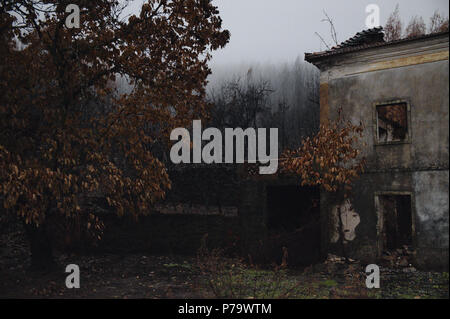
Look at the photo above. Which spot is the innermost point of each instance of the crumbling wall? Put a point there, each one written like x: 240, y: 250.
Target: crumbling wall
x: 417, y: 166
x: 203, y: 201
x: 344, y: 220
x: 432, y: 203
x: 166, y: 234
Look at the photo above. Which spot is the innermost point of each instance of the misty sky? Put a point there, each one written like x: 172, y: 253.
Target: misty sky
x: 278, y: 31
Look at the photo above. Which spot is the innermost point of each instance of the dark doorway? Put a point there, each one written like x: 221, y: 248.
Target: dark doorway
x: 294, y: 222
x: 397, y: 221
x: 291, y: 207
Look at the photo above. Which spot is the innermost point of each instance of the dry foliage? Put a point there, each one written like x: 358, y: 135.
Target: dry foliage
x: 329, y: 159
x: 393, y: 28
x: 416, y: 27
x: 65, y: 132
x: 232, y: 278
x: 438, y: 23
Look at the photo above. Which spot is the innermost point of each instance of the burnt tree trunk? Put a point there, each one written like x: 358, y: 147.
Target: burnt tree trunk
x: 41, y: 248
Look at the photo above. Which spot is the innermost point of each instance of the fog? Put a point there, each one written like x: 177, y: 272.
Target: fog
x: 274, y: 34
x: 279, y: 31
x: 270, y: 37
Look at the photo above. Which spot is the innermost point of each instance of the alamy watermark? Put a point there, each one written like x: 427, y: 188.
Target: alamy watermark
x: 73, y: 19
x: 373, y: 19
x: 73, y: 279
x: 373, y: 276
x: 214, y: 152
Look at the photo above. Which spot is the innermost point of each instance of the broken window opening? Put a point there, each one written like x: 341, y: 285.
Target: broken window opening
x: 392, y: 121
x: 397, y: 221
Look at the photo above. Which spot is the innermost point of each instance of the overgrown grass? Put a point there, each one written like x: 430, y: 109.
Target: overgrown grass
x: 231, y: 278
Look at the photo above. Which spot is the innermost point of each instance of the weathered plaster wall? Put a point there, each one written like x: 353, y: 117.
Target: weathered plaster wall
x: 346, y: 215
x: 432, y: 219
x: 418, y: 167
x: 425, y: 87
x: 364, y: 245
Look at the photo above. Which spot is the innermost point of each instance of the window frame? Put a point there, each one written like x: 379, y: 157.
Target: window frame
x: 408, y: 138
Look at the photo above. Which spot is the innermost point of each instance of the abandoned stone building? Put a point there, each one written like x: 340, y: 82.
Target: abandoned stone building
x: 399, y: 90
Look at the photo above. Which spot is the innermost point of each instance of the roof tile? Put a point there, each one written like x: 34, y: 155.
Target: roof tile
x: 365, y: 39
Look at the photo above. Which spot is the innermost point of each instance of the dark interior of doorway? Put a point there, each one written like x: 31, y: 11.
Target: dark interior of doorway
x: 293, y: 221
x: 397, y: 217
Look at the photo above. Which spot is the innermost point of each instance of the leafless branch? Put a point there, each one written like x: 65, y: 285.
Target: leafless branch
x: 323, y: 41
x: 332, y: 28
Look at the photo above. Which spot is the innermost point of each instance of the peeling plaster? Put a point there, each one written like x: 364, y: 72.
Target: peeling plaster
x: 350, y: 220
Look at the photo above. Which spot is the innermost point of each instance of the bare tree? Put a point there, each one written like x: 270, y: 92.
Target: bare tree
x: 438, y: 23
x: 278, y: 119
x: 323, y: 41
x: 238, y: 104
x: 416, y: 27
x: 333, y: 33
x: 394, y: 26
x: 291, y: 104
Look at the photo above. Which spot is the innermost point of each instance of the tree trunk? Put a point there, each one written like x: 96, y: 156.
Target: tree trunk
x: 41, y: 248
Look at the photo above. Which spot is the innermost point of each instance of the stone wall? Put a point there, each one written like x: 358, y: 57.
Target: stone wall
x: 166, y: 234
x: 417, y: 74
x: 203, y: 201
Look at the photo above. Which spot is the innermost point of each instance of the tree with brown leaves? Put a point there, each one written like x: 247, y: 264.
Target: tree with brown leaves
x: 330, y: 159
x: 65, y: 133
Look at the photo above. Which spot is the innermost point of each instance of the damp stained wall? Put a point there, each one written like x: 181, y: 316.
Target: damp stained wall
x: 416, y: 73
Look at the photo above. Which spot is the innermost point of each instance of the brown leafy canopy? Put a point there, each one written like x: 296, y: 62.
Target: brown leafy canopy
x: 329, y: 159
x: 64, y: 131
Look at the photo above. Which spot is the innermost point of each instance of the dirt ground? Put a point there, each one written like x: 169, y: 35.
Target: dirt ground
x: 145, y: 276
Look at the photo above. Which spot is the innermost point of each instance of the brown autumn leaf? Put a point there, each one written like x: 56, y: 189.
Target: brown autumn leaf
x: 330, y: 158
x: 65, y: 127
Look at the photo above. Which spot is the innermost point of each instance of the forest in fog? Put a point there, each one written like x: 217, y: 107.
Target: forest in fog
x: 279, y: 95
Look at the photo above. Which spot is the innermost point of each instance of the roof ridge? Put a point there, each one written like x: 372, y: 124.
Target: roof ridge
x: 365, y: 39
